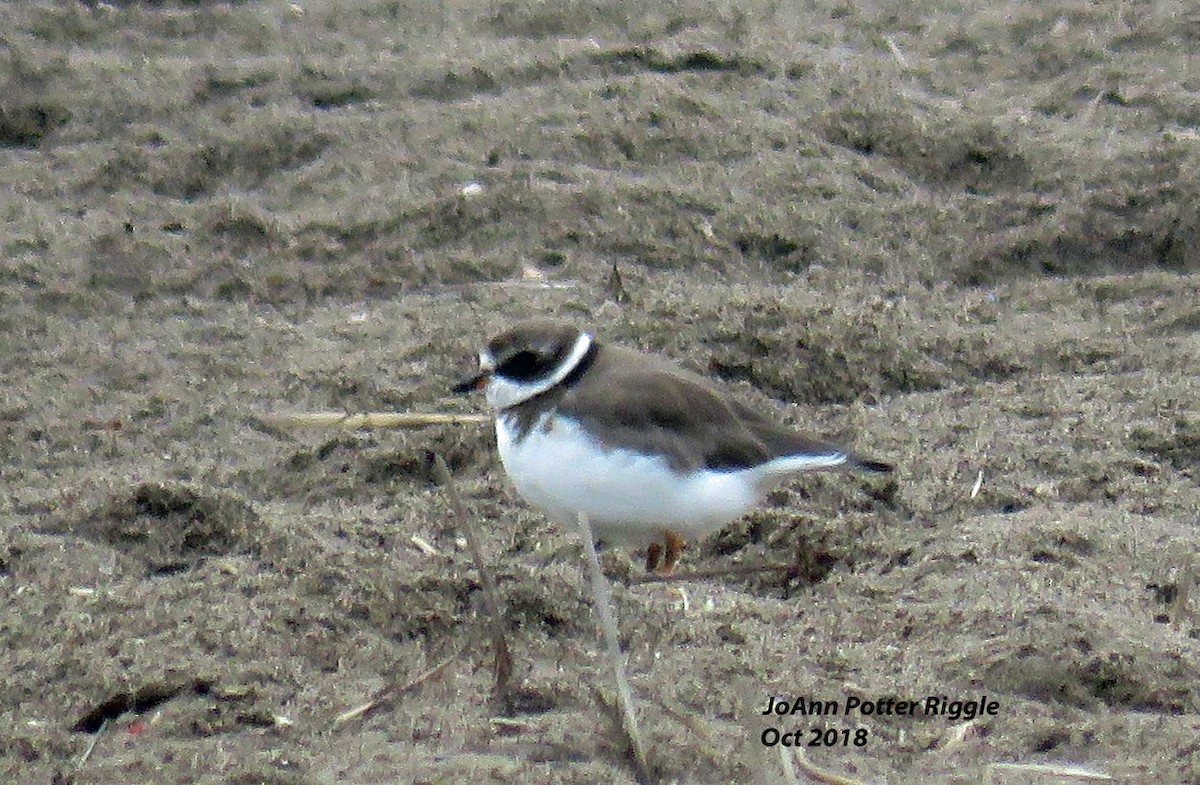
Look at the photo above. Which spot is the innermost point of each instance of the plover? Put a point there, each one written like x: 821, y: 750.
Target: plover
x: 654, y: 455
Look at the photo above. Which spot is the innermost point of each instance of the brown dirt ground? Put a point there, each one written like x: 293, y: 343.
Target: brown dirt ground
x: 964, y: 234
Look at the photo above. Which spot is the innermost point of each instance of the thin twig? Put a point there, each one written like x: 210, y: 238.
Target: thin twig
x: 785, y: 760
x: 502, y: 664
x: 602, y: 599
x: 370, y: 419
x: 394, y: 690
x: 1085, y: 117
x: 896, y: 52
x: 421, y: 544
x: 1054, y: 770
x: 83, y: 759
x: 817, y: 774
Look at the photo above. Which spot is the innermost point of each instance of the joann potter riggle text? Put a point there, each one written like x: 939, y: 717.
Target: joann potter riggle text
x: 930, y: 706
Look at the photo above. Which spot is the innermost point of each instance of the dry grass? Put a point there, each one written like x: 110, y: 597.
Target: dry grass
x: 961, y: 236
x: 369, y: 420
x: 602, y: 606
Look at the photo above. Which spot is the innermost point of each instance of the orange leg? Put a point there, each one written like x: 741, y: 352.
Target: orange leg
x: 661, y: 557
x: 674, y: 546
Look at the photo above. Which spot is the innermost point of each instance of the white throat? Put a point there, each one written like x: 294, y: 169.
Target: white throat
x: 503, y: 393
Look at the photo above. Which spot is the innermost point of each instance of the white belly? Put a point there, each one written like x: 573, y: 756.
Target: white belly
x: 629, y: 498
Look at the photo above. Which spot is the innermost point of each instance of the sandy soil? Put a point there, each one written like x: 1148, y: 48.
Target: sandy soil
x: 962, y: 235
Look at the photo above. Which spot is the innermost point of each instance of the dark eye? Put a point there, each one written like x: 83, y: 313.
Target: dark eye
x: 522, y: 366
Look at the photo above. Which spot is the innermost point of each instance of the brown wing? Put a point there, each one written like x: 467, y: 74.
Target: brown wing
x: 649, y: 406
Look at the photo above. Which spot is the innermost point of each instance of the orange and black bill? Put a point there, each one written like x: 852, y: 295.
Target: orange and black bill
x: 477, y: 382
